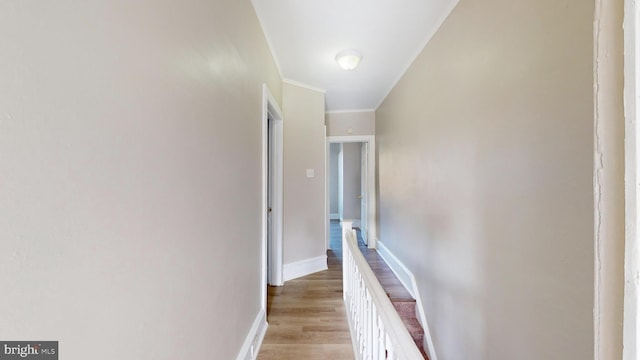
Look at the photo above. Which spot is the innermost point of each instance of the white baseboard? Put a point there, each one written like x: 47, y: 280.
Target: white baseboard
x: 304, y: 267
x: 252, y: 343
x: 407, y: 279
x: 334, y: 216
x: 427, y: 341
x: 398, y: 268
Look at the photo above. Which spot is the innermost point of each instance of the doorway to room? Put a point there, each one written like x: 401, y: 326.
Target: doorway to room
x: 351, y: 184
x: 272, y: 215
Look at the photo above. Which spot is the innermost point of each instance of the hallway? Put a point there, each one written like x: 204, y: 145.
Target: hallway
x: 307, y: 317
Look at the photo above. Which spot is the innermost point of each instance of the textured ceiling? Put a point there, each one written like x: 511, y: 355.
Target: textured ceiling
x: 306, y: 35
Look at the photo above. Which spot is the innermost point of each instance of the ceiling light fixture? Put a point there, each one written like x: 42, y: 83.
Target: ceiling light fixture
x: 348, y: 59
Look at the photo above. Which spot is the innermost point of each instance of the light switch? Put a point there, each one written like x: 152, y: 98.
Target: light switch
x: 310, y: 173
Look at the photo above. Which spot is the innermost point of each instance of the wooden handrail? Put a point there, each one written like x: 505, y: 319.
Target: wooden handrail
x: 377, y: 330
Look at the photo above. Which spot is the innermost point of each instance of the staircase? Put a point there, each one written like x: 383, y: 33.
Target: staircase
x: 400, y: 298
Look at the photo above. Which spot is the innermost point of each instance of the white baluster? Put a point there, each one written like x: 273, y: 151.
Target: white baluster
x: 374, y: 332
x: 377, y: 329
x: 369, y: 329
x: 391, y: 354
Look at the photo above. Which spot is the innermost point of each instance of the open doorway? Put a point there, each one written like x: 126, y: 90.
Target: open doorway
x: 351, y: 184
x: 272, y: 149
x: 347, y: 185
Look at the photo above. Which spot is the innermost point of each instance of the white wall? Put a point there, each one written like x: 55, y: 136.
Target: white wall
x: 351, y: 123
x: 130, y: 175
x: 351, y: 180
x: 304, y: 198
x: 485, y: 179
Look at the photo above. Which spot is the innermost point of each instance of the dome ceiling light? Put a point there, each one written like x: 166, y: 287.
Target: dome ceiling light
x: 348, y: 59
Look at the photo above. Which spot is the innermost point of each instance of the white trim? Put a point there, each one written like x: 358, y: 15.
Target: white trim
x: 372, y: 231
x: 335, y: 216
x: 340, y: 180
x: 273, y: 275
x: 349, y: 111
x: 631, y: 319
x: 408, y: 280
x: 305, y: 267
x: 402, y: 273
x: 327, y: 202
x: 251, y: 346
x: 364, y: 155
x: 303, y: 85
x: 427, y: 341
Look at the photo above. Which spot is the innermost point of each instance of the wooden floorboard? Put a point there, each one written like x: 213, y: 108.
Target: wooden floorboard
x: 307, y: 318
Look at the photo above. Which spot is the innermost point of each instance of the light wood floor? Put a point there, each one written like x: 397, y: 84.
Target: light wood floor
x: 307, y: 319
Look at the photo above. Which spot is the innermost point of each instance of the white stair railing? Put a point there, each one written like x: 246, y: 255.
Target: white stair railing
x: 376, y: 328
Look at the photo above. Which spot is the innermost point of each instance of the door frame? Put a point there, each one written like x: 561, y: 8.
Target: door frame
x: 364, y: 188
x: 371, y: 185
x: 271, y: 110
x: 631, y: 317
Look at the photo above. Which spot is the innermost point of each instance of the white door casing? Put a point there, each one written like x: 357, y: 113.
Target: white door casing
x: 631, y: 323
x: 364, y: 190
x: 370, y: 181
x: 340, y: 183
